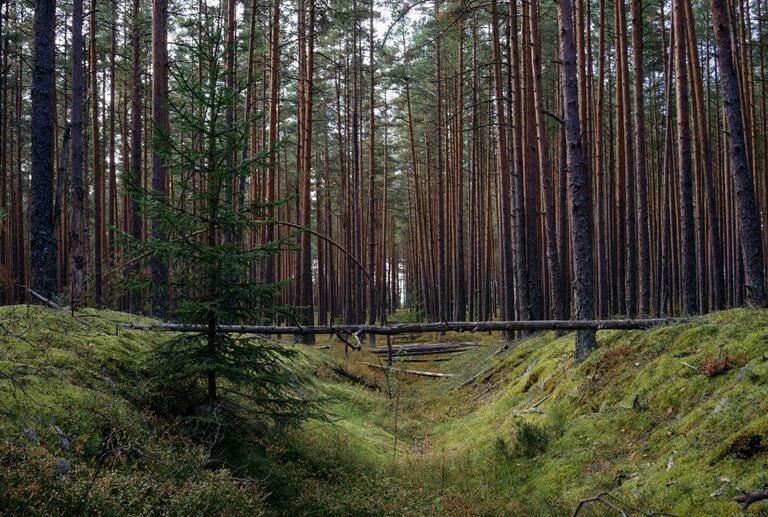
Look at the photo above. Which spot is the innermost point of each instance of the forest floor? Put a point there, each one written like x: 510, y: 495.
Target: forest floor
x: 671, y: 419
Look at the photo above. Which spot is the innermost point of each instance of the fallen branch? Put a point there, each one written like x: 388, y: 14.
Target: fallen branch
x: 352, y: 376
x: 598, y: 499
x: 410, y: 372
x: 58, y: 307
x: 532, y: 408
x: 408, y: 359
x: 404, y: 328
x: 747, y: 498
x: 49, y: 303
x: 689, y: 366
x: 472, y: 379
x: 612, y: 502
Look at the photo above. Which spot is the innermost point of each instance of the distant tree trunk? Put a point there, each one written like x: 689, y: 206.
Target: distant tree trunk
x: 306, y: 298
x: 5, y: 295
x: 98, y: 171
x: 372, y: 287
x: 665, y: 271
x: 553, y: 261
x: 624, y: 161
x: 460, y: 298
x: 113, y: 218
x: 748, y: 215
x: 525, y: 298
x: 643, y: 242
x: 710, y: 204
x: 442, y: 272
x: 272, y: 158
x: 602, y: 229
x: 42, y: 231
x: 579, y: 194
x: 688, y: 241
x: 77, y: 260
x: 159, y: 267
x: 504, y: 174
x: 136, y: 223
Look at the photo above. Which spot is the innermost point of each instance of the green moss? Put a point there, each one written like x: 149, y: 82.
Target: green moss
x: 632, y: 419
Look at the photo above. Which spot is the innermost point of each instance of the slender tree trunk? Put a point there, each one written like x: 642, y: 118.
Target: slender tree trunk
x: 305, y: 280
x: 113, y: 219
x: 442, y: 271
x: 504, y: 174
x: 274, y: 92
x: 372, y: 305
x: 98, y: 171
x: 159, y: 267
x: 553, y: 260
x: 687, y: 230
x: 77, y: 265
x: 460, y: 296
x: 643, y: 240
x: 136, y: 222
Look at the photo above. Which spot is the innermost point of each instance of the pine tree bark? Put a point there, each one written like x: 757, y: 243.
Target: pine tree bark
x: 579, y: 193
x: 42, y: 232
x: 4, y: 237
x: 747, y: 213
x: 98, y: 171
x: 77, y: 192
x: 688, y: 241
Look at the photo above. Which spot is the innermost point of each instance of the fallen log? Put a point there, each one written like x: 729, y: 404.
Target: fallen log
x: 410, y: 372
x: 417, y: 347
x: 407, y: 346
x: 404, y: 328
x: 422, y: 359
x: 404, y: 353
x: 352, y: 376
x: 54, y: 305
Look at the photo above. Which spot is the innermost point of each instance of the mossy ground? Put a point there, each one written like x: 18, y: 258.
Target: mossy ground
x: 674, y: 418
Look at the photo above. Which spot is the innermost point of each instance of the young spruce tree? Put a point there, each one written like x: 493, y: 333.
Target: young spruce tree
x: 213, y: 374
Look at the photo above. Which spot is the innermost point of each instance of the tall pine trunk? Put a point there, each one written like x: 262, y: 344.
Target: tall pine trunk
x: 579, y: 193
x: 747, y: 213
x: 159, y: 268
x: 77, y: 193
x: 42, y: 248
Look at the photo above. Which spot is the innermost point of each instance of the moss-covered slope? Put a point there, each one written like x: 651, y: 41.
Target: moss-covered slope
x: 673, y: 418
x: 670, y: 419
x: 75, y: 437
